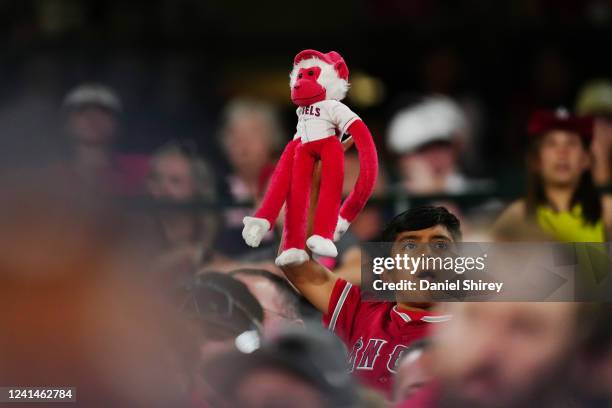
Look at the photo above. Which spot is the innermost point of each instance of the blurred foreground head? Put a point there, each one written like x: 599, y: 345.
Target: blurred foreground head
x: 413, y: 370
x: 279, y: 301
x: 229, y: 316
x: 298, y: 369
x: 507, y: 354
x: 77, y: 308
x: 594, y: 373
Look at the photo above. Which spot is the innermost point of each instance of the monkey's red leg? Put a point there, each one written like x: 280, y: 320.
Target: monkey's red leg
x: 299, y: 198
x: 330, y: 193
x: 278, y: 187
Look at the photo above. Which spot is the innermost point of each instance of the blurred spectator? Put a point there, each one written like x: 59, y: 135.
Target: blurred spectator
x: 595, y: 99
x: 561, y: 199
x: 427, y: 139
x: 179, y: 176
x: 278, y: 299
x: 299, y: 369
x: 594, y: 373
x: 92, y: 126
x: 229, y: 316
x: 504, y: 355
x: 377, y: 332
x: 413, y: 370
x: 251, y: 136
x: 87, y: 316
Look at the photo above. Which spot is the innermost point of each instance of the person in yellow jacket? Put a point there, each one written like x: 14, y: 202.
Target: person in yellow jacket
x: 561, y: 203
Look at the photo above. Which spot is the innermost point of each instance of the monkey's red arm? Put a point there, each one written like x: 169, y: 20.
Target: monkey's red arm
x: 368, y: 171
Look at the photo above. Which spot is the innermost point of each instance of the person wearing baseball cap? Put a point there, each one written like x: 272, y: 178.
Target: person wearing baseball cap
x: 91, y: 114
x: 561, y: 200
x: 595, y: 99
x: 425, y: 137
x: 298, y: 368
x: 93, y: 95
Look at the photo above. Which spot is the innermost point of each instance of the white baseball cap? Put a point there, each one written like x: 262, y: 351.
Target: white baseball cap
x: 436, y: 118
x: 93, y: 94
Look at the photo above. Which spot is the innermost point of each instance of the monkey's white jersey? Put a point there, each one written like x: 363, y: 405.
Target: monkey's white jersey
x: 323, y: 119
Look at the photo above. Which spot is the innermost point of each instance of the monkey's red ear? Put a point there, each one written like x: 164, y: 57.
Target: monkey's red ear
x: 339, y: 64
x: 342, y: 70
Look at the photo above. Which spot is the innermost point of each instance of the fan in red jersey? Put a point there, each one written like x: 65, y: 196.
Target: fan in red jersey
x: 377, y: 333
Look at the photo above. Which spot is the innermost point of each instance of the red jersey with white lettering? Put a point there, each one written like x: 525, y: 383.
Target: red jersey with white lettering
x: 375, y: 333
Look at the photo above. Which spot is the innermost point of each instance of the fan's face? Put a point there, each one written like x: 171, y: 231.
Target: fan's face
x: 499, y: 354
x: 172, y: 178
x: 562, y: 158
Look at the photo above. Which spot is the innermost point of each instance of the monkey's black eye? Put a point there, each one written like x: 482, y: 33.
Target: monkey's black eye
x: 300, y: 76
x: 310, y: 73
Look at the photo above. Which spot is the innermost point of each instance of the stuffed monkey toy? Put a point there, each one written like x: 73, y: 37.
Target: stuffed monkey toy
x: 318, y: 82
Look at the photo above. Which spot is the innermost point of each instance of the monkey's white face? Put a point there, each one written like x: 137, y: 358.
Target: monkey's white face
x: 328, y: 79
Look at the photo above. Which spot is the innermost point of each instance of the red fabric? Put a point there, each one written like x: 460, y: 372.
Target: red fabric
x: 330, y: 152
x: 132, y: 172
x: 375, y: 334
x: 542, y: 121
x: 264, y: 177
x: 296, y: 213
x: 330, y: 192
x: 368, y: 171
x: 332, y: 58
x: 278, y: 188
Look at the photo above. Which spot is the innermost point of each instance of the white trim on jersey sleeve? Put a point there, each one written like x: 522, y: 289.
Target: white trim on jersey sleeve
x: 339, y: 305
x: 427, y: 319
x: 436, y: 319
x: 341, y: 115
x: 348, y: 124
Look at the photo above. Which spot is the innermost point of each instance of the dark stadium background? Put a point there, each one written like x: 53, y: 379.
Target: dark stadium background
x: 175, y: 63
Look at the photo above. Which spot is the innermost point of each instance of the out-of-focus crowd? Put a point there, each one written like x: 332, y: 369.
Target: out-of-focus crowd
x: 126, y: 275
